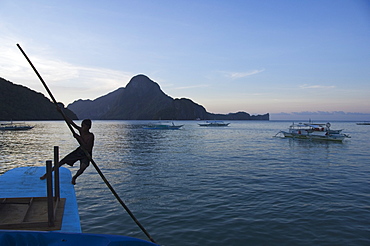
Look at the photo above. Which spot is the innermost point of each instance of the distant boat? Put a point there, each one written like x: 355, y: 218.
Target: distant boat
x: 214, y: 123
x: 15, y: 126
x: 314, y: 132
x: 163, y: 126
x: 363, y: 123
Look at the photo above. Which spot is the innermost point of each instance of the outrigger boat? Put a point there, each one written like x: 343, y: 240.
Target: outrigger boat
x: 214, y: 123
x: 314, y: 132
x: 14, y: 126
x: 163, y: 126
x: 363, y: 123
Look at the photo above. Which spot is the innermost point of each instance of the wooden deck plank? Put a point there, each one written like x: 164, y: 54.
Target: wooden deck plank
x: 25, y: 182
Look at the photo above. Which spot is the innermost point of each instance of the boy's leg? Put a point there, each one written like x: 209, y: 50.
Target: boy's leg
x: 83, y: 167
x: 52, y: 169
x: 70, y: 159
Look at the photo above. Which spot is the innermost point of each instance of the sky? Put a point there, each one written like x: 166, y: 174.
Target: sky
x: 307, y: 59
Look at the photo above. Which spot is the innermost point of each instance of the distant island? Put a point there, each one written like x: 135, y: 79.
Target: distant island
x: 21, y: 103
x: 143, y: 99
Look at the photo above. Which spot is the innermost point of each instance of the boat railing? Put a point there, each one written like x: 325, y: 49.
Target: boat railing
x: 53, y: 199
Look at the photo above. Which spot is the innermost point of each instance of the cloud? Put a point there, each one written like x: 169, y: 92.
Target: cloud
x: 321, y: 116
x: 318, y: 113
x: 238, y: 75
x: 191, y: 87
x: 66, y: 77
x: 88, y: 82
x: 306, y: 86
x: 322, y: 113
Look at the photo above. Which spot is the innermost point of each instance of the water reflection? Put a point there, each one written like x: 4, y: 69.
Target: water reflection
x: 33, y: 147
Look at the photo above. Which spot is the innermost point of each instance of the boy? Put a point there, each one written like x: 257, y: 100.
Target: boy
x: 86, y: 140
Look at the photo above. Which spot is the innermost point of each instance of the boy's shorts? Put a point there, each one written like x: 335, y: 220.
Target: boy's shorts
x: 77, y: 154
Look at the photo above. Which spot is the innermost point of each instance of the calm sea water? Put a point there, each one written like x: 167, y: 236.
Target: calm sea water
x: 236, y: 185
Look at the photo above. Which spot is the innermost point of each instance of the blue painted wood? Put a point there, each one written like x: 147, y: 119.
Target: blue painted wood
x: 30, y: 238
x: 25, y: 182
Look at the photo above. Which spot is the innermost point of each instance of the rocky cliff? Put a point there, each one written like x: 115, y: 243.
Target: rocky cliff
x: 143, y: 99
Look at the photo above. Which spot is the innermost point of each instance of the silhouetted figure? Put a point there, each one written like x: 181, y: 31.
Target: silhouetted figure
x: 86, y: 140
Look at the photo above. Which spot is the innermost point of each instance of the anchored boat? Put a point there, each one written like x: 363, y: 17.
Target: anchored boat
x: 363, y: 123
x: 14, y: 126
x: 163, y: 126
x: 313, y: 131
x: 214, y: 123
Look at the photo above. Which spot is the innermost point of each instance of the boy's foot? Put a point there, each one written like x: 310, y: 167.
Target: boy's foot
x: 43, y: 177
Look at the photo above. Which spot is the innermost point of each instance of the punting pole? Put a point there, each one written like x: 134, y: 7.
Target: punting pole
x: 86, y: 152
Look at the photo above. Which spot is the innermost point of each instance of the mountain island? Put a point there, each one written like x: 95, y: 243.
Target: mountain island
x: 143, y: 99
x: 21, y: 103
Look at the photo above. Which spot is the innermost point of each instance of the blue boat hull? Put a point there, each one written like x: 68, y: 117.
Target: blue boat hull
x: 33, y: 238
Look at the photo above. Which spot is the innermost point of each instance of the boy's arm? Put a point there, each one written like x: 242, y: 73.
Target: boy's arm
x: 72, y: 123
x: 69, y: 121
x: 80, y: 140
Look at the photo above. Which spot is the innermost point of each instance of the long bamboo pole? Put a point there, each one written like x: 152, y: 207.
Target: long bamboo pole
x: 86, y: 152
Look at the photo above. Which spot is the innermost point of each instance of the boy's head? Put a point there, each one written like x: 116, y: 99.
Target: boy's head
x: 86, y: 122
